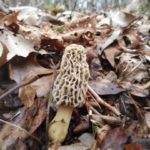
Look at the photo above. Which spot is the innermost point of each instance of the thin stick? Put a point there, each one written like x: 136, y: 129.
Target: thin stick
x: 109, y: 119
x: 102, y: 102
x: 18, y: 86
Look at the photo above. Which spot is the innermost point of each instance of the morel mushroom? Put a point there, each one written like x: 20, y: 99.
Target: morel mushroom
x: 69, y: 90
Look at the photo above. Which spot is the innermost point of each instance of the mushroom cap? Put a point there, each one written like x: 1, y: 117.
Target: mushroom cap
x: 70, y: 86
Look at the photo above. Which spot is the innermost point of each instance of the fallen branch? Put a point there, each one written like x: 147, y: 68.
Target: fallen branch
x: 102, y: 102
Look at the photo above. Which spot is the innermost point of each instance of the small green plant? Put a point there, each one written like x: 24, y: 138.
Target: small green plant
x: 94, y: 129
x: 48, y: 95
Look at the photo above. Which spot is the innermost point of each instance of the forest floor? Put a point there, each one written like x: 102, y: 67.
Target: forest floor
x: 116, y: 112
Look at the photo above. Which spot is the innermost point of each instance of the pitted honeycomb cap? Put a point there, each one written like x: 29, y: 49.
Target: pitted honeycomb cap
x: 70, y: 86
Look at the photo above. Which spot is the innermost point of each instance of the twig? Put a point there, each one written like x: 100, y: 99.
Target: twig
x: 18, y: 86
x: 102, y: 102
x: 21, y: 84
x: 108, y: 119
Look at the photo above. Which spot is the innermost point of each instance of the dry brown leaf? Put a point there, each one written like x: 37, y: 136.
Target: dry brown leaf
x: 27, y: 95
x: 101, y: 134
x: 15, y: 44
x: 76, y: 35
x: 8, y: 19
x: 105, y: 87
x: 9, y: 135
x: 132, y: 68
x: 42, y: 85
x: 147, y: 119
x: 104, y: 21
x: 120, y: 18
x: 43, y: 37
x: 133, y: 147
x: 114, y: 139
x: 3, y: 54
x: 27, y: 14
x: 34, y: 16
x: 134, y: 89
x: 21, y: 68
x: 87, y: 140
x: 76, y: 146
x: 30, y: 119
x: 90, y: 53
x: 116, y: 33
x: 131, y: 40
x: 2, y: 15
x: 40, y: 115
x: 111, y: 52
x: 85, y: 22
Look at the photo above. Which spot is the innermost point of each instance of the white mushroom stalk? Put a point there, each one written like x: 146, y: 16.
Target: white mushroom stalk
x: 69, y: 90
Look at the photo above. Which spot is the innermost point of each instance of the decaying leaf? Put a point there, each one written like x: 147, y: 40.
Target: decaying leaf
x: 43, y: 37
x: 120, y: 18
x: 147, y: 118
x: 134, y: 89
x: 129, y: 41
x: 8, y: 19
x: 29, y: 118
x: 133, y: 147
x: 20, y: 68
x: 23, y: 70
x: 87, y: 140
x: 34, y: 16
x: 43, y: 85
x: 3, y: 54
x: 131, y: 68
x: 27, y: 95
x: 111, y: 39
x: 76, y: 146
x: 15, y: 44
x: 105, y: 87
x: 101, y: 134
x: 85, y: 22
x: 1, y: 49
x: 111, y: 52
x: 114, y: 139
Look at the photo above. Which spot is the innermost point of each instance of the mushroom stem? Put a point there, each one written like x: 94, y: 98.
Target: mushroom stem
x: 58, y: 127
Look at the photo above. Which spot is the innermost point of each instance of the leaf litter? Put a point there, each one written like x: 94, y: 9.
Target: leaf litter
x: 116, y: 110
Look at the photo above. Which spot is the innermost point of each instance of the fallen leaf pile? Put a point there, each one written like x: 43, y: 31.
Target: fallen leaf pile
x: 116, y: 114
